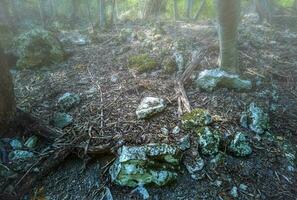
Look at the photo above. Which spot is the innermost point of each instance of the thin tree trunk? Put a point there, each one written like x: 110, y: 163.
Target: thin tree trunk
x: 114, y: 12
x: 263, y: 9
x: 75, y: 11
x: 41, y: 14
x: 175, y: 10
x: 7, y: 99
x: 202, y: 4
x: 102, y: 17
x: 228, y: 19
x: 189, y: 9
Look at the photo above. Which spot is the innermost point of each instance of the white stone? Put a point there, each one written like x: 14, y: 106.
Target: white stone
x: 150, y: 106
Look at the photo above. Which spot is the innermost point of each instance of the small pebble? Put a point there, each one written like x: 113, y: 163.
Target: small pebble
x: 234, y: 192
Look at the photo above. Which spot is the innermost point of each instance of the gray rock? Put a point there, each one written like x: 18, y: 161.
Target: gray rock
x: 142, y: 191
x: 114, y: 78
x: 208, y: 140
x: 15, y: 144
x: 164, y: 131
x: 20, y: 155
x: 107, y: 194
x: 196, y: 118
x: 184, y: 143
x: 210, y: 80
x: 150, y: 106
x: 234, y: 192
x: 176, y: 130
x: 255, y: 119
x: 140, y: 165
x: 243, y: 187
x: 31, y: 142
x: 239, y: 145
x: 195, y: 166
x: 61, y: 120
x: 73, y: 38
x: 68, y: 100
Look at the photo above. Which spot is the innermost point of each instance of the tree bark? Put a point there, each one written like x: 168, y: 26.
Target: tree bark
x: 7, y: 99
x: 263, y: 9
x: 228, y: 14
x: 153, y: 8
x: 102, y: 14
x: 189, y: 9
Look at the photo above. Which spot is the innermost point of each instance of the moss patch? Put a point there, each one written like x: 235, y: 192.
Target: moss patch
x: 142, y: 63
x: 197, y: 118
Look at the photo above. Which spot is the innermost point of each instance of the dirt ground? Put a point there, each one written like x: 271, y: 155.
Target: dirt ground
x: 110, y: 94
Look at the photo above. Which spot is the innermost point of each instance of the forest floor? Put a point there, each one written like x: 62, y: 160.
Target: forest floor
x: 110, y: 93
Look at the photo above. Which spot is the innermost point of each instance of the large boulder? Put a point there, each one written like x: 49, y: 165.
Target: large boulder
x: 212, y: 79
x: 140, y: 165
x: 37, y: 48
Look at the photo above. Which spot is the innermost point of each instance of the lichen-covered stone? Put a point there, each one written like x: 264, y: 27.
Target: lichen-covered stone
x: 255, y: 119
x: 68, y: 100
x: 20, y: 155
x: 31, y: 142
x: 16, y: 144
x: 179, y: 60
x: 150, y: 106
x: 142, y: 63
x: 239, y: 146
x: 208, y: 140
x: 37, y: 48
x: 210, y: 80
x: 194, y: 167
x: 184, y: 143
x: 196, y: 118
x: 61, y: 120
x: 140, y: 165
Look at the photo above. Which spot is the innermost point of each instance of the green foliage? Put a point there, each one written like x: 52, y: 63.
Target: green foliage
x: 142, y: 63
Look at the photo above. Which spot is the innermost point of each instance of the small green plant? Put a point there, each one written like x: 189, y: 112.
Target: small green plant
x: 142, y: 63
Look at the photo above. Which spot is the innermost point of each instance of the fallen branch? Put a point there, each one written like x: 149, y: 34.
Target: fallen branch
x: 184, y: 79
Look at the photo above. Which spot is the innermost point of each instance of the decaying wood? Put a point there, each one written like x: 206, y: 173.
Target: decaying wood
x: 185, y: 79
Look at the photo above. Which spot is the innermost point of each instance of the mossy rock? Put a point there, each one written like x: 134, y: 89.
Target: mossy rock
x: 38, y: 48
x: 196, y: 118
x: 169, y: 65
x: 239, y: 145
x: 209, y: 140
x: 142, y: 63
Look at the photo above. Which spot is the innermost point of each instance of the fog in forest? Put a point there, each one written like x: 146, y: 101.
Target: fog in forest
x: 148, y: 99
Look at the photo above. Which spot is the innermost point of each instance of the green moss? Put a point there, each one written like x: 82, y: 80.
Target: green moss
x: 169, y: 66
x: 37, y: 48
x: 142, y: 63
x: 196, y: 118
x: 240, y: 146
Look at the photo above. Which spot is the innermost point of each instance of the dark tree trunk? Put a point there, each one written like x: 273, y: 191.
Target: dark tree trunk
x: 75, y: 11
x: 7, y: 99
x: 153, y: 8
x: 263, y: 9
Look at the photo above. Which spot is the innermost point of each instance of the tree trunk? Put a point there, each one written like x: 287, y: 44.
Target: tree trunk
x: 228, y: 19
x: 102, y: 14
x: 114, y: 15
x: 202, y: 4
x: 189, y: 9
x: 263, y: 9
x: 7, y: 99
x: 153, y: 8
x: 75, y: 11
x: 175, y: 10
